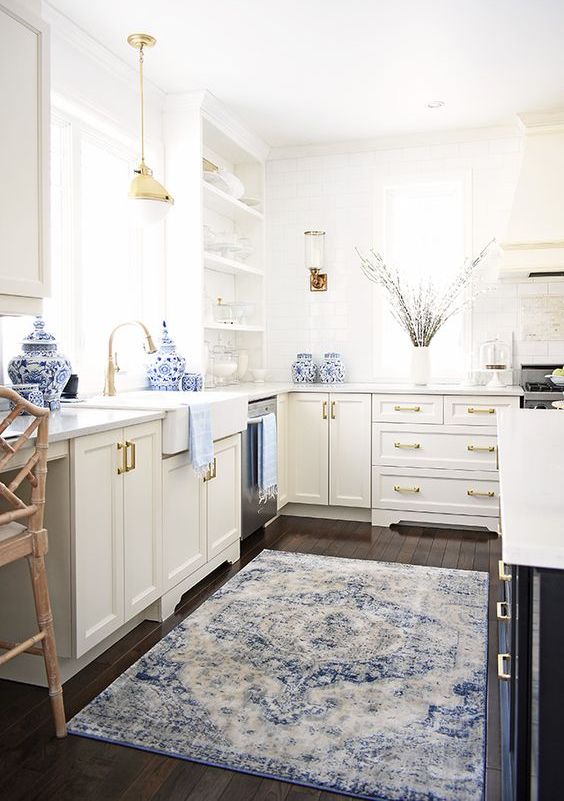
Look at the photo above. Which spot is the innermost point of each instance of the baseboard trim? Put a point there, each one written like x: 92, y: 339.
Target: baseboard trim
x: 328, y: 512
x: 389, y: 517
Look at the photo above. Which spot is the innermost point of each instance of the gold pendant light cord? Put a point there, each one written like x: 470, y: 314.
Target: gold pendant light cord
x: 141, y: 57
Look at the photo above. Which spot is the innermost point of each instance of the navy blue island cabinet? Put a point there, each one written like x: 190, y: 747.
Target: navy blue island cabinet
x: 530, y: 669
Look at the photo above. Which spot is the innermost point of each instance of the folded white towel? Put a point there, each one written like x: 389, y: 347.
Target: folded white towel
x: 200, y: 439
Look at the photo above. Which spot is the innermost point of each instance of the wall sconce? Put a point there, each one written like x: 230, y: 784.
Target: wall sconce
x: 314, y: 249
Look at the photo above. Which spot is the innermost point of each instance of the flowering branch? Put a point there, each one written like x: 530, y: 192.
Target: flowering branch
x: 423, y: 308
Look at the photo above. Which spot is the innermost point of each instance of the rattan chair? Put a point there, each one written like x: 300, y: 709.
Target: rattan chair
x: 22, y: 535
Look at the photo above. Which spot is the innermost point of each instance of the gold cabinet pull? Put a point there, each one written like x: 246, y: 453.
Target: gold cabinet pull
x: 503, y: 575
x: 122, y: 446
x: 324, y: 410
x: 485, y: 448
x: 407, y: 408
x: 502, y: 608
x: 413, y: 445
x: 212, y: 472
x: 333, y: 415
x: 133, y: 464
x: 478, y: 494
x: 474, y: 410
x: 502, y: 673
x: 397, y: 488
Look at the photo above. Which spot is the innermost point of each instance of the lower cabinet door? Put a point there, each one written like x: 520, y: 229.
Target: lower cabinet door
x: 308, y: 448
x: 142, y: 515
x: 184, y: 529
x: 349, y: 452
x: 97, y: 498
x: 223, y: 496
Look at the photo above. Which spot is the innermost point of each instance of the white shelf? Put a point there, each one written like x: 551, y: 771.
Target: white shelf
x: 228, y: 206
x: 213, y: 261
x: 257, y: 329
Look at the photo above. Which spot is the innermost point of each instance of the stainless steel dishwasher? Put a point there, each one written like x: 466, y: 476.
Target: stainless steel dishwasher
x: 254, y: 513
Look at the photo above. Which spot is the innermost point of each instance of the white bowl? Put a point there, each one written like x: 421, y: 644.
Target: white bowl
x: 259, y: 376
x: 557, y: 380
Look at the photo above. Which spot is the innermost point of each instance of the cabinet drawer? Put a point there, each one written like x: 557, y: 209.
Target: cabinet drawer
x: 407, y: 408
x: 445, y: 447
x: 476, y: 410
x: 443, y: 491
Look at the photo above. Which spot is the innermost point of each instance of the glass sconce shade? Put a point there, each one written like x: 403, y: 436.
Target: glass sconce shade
x: 314, y: 249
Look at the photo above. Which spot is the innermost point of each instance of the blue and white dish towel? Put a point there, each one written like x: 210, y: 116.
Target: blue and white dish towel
x: 267, y: 458
x: 200, y: 439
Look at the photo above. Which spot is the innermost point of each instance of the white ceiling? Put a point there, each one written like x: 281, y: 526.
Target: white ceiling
x: 316, y: 71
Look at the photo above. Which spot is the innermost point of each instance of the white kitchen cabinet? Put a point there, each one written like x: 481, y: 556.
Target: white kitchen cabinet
x: 116, y: 497
x: 349, y: 450
x: 223, y: 496
x: 24, y: 160
x: 329, y: 449
x: 184, y: 526
x: 308, y: 446
x: 282, y: 432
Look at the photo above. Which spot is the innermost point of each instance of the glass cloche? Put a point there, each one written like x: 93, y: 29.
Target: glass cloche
x: 495, y: 357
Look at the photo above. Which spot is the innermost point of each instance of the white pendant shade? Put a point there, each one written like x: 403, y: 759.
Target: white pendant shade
x: 143, y: 211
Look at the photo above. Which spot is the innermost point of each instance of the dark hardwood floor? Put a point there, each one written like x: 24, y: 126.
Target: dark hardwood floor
x: 34, y: 766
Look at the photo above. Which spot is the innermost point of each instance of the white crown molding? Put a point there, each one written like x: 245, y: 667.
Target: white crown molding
x: 542, y: 122
x: 76, y: 37
x: 400, y: 141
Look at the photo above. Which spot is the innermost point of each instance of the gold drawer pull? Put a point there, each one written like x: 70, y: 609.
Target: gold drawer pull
x: 324, y: 410
x: 407, y: 408
x: 397, y: 488
x: 474, y: 410
x: 478, y: 494
x: 503, y: 575
x: 502, y: 673
x: 212, y: 472
x: 503, y: 610
x: 486, y: 448
x: 122, y: 446
x: 333, y: 415
x: 413, y: 445
x: 133, y: 447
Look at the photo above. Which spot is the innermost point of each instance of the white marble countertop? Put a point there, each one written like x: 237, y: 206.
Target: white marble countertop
x: 531, y: 474
x: 75, y: 422
x: 257, y: 391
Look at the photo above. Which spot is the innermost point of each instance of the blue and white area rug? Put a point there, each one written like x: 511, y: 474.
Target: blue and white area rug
x: 365, y: 678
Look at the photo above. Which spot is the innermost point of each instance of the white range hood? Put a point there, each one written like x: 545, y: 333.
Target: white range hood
x: 533, y: 245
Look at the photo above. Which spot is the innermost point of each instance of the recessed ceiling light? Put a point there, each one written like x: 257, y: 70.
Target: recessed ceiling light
x: 435, y: 104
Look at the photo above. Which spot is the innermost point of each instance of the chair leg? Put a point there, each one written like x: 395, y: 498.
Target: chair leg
x: 45, y: 622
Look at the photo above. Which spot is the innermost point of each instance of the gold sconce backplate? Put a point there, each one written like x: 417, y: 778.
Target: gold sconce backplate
x: 317, y: 281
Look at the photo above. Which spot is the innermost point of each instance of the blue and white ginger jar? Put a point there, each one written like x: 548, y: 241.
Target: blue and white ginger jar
x: 304, y: 369
x: 41, y: 363
x: 166, y: 367
x: 332, y: 369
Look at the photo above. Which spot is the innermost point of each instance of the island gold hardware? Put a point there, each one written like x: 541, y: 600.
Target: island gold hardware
x: 212, y: 472
x: 501, y: 671
x: 414, y: 445
x: 486, y: 448
x: 474, y: 410
x: 333, y: 415
x: 478, y: 494
x: 503, y: 610
x: 503, y: 576
x: 121, y: 446
x: 407, y: 408
x: 133, y: 447
x: 497, y: 458
x: 325, y: 410
x: 397, y: 488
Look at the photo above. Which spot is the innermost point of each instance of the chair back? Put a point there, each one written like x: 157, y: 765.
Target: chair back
x: 34, y: 470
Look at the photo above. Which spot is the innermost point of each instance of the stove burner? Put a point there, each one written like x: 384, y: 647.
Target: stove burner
x: 538, y: 386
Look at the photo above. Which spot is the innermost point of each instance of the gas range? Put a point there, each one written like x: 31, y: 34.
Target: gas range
x: 539, y: 392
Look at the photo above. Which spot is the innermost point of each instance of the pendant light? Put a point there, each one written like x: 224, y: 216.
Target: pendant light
x: 150, y: 201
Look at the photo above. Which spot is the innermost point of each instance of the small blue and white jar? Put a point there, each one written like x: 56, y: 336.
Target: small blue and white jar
x: 304, y: 369
x: 29, y: 392
x: 166, y: 367
x: 41, y: 363
x: 332, y: 369
x: 192, y: 382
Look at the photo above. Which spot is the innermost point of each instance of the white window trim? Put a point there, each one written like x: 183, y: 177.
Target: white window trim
x: 383, y: 182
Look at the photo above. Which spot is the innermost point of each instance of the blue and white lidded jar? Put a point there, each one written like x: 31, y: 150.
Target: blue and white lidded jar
x: 192, y: 382
x: 304, y: 369
x: 41, y: 363
x: 166, y: 367
x: 29, y: 392
x: 332, y: 369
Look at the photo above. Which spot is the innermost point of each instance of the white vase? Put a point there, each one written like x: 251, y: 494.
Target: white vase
x: 420, y: 366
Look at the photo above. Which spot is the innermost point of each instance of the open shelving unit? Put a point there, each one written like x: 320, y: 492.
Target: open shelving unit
x: 221, y: 264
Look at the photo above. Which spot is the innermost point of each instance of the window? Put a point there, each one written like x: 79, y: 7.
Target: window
x: 104, y: 271
x: 421, y: 227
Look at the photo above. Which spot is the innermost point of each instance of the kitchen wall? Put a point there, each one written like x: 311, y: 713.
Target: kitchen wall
x: 332, y: 189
